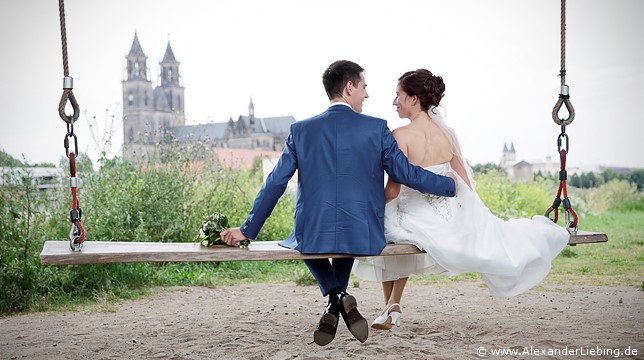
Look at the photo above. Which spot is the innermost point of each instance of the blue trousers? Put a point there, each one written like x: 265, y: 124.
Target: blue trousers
x: 330, y: 274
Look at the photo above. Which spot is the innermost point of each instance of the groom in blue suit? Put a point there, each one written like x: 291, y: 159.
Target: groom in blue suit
x: 341, y: 156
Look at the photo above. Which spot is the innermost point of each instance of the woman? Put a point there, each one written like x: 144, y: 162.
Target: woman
x: 459, y: 234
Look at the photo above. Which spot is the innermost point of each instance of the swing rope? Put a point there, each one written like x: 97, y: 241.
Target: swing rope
x: 76, y: 230
x: 564, y: 100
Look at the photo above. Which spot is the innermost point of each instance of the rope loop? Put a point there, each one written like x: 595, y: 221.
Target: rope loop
x: 68, y: 96
x: 564, y: 100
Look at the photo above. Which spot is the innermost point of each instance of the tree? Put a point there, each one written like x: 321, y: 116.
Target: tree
x: 8, y: 160
x: 575, y: 180
x: 485, y: 168
x: 589, y: 180
x: 637, y: 178
x: 610, y: 174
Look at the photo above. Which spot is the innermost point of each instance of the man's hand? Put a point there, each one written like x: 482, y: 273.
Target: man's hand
x: 453, y: 176
x: 232, y: 236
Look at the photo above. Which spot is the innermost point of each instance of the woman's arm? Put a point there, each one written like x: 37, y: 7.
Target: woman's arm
x: 457, y: 165
x: 392, y: 189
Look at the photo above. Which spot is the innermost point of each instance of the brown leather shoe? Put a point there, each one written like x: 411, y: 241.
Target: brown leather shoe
x: 325, y: 330
x: 355, y: 322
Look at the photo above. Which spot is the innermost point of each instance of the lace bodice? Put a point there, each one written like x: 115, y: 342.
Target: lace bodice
x: 412, y: 201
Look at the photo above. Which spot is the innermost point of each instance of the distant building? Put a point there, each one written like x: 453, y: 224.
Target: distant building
x: 525, y: 170
x: 42, y: 178
x: 154, y: 117
x: 509, y: 155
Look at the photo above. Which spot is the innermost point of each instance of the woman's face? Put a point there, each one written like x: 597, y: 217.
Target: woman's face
x: 403, y: 103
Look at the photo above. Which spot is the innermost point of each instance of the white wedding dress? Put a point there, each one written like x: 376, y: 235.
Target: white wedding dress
x: 459, y: 235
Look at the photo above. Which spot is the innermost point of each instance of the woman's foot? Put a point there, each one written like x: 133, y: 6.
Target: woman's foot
x: 388, y: 318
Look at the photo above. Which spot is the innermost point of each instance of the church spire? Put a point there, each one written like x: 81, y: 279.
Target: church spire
x: 251, y: 109
x: 137, y: 68
x: 169, y: 54
x: 169, y: 68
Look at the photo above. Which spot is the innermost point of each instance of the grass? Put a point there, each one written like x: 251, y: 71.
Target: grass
x: 618, y: 262
x: 231, y: 273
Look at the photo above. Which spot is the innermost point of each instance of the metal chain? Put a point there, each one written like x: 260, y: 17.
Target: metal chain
x: 76, y: 230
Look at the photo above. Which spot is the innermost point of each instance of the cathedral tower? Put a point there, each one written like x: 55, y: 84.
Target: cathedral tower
x: 168, y: 97
x: 149, y: 113
x: 137, y: 95
x: 251, y: 112
x: 509, y: 155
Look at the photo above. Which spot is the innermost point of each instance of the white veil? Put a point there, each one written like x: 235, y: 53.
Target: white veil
x: 439, y: 120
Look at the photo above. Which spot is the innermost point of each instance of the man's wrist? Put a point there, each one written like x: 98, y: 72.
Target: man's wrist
x: 244, y: 228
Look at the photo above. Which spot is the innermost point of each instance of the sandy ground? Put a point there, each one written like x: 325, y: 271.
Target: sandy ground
x: 276, y: 321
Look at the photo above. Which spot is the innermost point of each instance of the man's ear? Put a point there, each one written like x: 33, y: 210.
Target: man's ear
x: 349, y: 87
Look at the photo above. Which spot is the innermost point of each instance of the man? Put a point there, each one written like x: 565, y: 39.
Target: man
x: 341, y: 156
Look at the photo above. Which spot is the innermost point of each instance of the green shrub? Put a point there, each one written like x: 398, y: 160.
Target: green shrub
x: 614, y: 194
x: 512, y: 199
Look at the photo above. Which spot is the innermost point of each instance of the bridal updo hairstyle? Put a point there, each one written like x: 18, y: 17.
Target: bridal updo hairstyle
x: 429, y: 88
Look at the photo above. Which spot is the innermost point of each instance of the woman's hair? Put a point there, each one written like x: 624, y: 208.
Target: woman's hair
x: 338, y: 74
x: 429, y: 88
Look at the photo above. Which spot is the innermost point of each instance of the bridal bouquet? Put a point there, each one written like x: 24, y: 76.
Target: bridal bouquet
x: 211, y: 228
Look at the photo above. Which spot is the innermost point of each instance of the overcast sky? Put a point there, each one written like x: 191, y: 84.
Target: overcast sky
x: 499, y: 59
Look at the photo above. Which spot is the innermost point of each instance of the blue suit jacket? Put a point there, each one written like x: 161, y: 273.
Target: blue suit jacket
x: 341, y: 156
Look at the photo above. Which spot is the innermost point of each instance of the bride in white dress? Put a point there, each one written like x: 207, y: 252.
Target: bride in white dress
x: 459, y: 234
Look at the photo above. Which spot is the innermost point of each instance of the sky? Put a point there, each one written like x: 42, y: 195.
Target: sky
x: 500, y: 61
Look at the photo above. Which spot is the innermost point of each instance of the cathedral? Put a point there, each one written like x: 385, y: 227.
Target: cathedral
x: 154, y: 116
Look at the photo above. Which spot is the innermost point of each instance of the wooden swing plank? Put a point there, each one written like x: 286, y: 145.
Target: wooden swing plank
x: 587, y: 237
x: 103, y: 252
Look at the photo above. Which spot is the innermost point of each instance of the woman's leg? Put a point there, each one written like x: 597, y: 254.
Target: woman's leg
x: 387, y: 288
x: 395, y: 296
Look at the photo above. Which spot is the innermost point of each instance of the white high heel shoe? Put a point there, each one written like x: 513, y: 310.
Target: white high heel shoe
x: 387, y: 319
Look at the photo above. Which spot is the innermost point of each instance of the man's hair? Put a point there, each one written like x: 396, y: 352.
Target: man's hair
x: 338, y: 74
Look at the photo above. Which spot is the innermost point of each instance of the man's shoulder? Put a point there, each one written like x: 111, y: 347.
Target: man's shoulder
x: 353, y: 116
x: 368, y: 117
x: 372, y: 120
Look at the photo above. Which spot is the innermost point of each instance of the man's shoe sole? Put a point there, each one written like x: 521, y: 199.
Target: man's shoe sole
x: 325, y: 332
x: 357, y: 324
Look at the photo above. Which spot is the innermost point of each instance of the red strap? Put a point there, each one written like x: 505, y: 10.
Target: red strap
x: 563, y: 189
x: 75, y: 204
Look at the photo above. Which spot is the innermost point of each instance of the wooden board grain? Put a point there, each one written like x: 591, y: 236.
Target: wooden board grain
x: 104, y: 252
